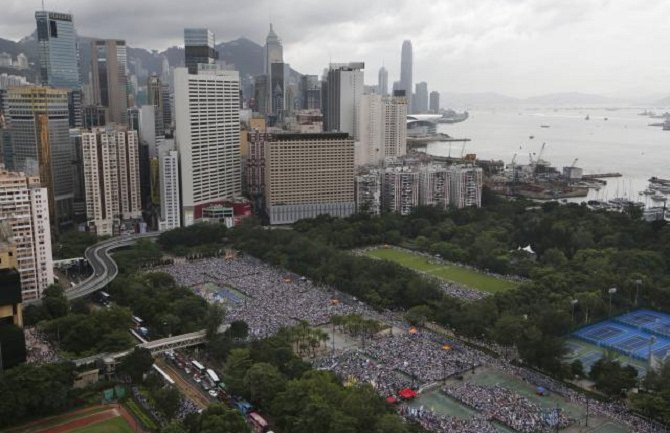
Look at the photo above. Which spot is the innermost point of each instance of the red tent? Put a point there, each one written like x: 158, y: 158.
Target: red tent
x: 407, y: 393
x: 391, y: 399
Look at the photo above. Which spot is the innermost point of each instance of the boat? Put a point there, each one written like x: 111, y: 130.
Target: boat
x: 545, y: 126
x: 531, y: 137
x: 666, y: 125
x: 587, y: 117
x: 606, y: 118
x: 658, y: 197
x: 648, y: 191
x: 662, y: 188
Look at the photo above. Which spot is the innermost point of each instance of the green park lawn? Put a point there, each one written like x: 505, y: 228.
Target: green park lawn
x: 114, y: 425
x: 456, y: 274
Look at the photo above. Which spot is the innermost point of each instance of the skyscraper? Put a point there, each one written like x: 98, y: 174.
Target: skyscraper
x: 109, y: 67
x: 39, y: 122
x: 307, y: 175
x: 208, y: 138
x: 421, y: 98
x: 311, y: 87
x: 383, y: 82
x: 434, y: 102
x: 345, y: 89
x: 24, y: 209
x: 199, y: 48
x: 168, y: 160
x: 274, y: 53
x: 383, y: 128
x: 465, y: 188
x: 57, y: 44
x: 406, y: 83
x: 111, y: 177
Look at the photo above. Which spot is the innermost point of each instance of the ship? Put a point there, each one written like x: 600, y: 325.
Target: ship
x: 587, y: 117
x: 666, y: 125
x: 451, y: 116
x: 545, y: 126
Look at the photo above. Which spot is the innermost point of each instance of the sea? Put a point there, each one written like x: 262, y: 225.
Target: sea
x: 612, y: 140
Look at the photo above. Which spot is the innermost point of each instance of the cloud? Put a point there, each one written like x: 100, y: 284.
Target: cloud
x: 515, y: 46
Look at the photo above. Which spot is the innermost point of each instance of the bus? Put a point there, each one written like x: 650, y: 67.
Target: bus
x: 257, y: 423
x: 138, y: 322
x: 198, y: 366
x: 213, y: 376
x: 103, y: 298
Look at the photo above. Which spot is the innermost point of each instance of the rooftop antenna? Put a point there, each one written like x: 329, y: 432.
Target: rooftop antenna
x: 43, y: 6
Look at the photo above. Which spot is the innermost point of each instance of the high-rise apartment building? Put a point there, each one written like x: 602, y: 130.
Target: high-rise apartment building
x: 208, y: 138
x: 41, y: 146
x: 109, y: 66
x: 311, y: 87
x: 465, y: 186
x: 111, y: 177
x: 12, y: 340
x: 307, y: 175
x: 383, y: 82
x: 155, y: 97
x: 421, y: 98
x: 383, y: 128
x: 199, y: 48
x: 368, y: 193
x: 168, y: 163
x: 57, y: 49
x: 434, y: 183
x: 434, y: 102
x: 344, y: 92
x: 400, y: 190
x: 24, y: 210
x: 406, y: 59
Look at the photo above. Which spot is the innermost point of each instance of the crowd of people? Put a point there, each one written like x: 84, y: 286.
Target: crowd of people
x: 148, y: 407
x: 186, y: 407
x: 501, y: 404
x: 461, y: 292
x: 447, y: 424
x: 271, y: 299
x: 38, y: 348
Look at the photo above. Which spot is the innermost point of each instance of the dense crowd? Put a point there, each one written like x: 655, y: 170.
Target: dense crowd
x: 271, y: 298
x: 186, y: 407
x: 38, y: 348
x: 501, y: 404
x: 148, y: 407
x: 447, y: 424
x: 465, y: 293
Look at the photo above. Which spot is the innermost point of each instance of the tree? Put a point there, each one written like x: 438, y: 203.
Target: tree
x: 389, y: 423
x: 577, y: 368
x: 174, y: 427
x: 215, y: 316
x: 239, y: 330
x: 611, y: 378
x: 136, y: 364
x: 55, y: 302
x: 168, y: 401
x: 262, y: 382
x: 219, y: 419
x: 418, y: 315
x: 238, y: 363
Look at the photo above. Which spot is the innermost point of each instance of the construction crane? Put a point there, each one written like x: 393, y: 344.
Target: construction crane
x: 463, y: 149
x: 539, y: 156
x: 574, y: 163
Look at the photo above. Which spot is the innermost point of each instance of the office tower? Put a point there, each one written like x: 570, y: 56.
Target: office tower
x: 274, y: 53
x: 400, y: 190
x: 383, y: 82
x: 57, y: 48
x: 22, y: 61
x: 434, y: 185
x: 109, y: 78
x: 79, y: 191
x: 12, y: 340
x: 93, y: 115
x: 74, y: 106
x: 368, y: 193
x: 24, y: 210
x: 406, y: 83
x: 465, y: 186
x: 166, y: 99
x: 345, y: 89
x: 39, y: 122
x: 421, y: 98
x: 383, y: 128
x: 434, y: 102
x: 278, y: 89
x: 311, y: 87
x: 133, y: 119
x: 111, y: 178
x: 150, y: 131
x: 307, y: 175
x: 207, y: 118
x: 168, y: 161
x: 260, y: 94
x: 199, y: 48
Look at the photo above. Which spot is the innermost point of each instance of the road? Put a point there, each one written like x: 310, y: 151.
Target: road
x: 187, y: 388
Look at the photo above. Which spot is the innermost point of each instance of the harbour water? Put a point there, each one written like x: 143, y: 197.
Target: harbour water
x: 623, y: 143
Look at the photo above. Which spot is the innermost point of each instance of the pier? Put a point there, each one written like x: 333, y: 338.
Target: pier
x: 601, y: 176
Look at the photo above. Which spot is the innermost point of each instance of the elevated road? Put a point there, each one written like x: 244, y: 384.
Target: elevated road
x: 104, y: 268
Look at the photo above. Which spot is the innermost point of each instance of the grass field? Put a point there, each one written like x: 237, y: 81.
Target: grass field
x: 114, y: 425
x: 456, y: 274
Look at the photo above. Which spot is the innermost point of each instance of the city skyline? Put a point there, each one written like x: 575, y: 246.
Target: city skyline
x: 517, y: 48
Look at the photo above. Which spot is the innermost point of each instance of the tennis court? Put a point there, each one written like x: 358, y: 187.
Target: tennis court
x: 636, y: 334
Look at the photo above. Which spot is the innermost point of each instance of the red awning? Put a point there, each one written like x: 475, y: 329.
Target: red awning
x: 407, y: 393
x: 391, y: 400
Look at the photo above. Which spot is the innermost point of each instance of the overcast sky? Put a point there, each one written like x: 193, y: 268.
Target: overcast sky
x: 515, y: 47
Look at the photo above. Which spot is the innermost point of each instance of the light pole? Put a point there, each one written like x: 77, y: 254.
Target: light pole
x: 611, y: 291
x: 573, y: 302
x: 652, y: 340
x: 638, y: 283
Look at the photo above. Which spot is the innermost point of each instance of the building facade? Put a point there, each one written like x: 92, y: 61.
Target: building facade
x: 345, y: 84
x: 199, y: 48
x: 41, y: 146
x: 307, y: 175
x: 383, y: 82
x: 406, y: 67
x: 109, y: 79
x: 368, y: 193
x: 168, y: 159
x: 466, y: 184
x: 273, y: 53
x: 434, y: 102
x: 434, y: 184
x: 24, y: 211
x: 111, y: 178
x: 57, y: 49
x: 382, y: 128
x: 400, y: 190
x: 421, y: 98
x: 208, y: 138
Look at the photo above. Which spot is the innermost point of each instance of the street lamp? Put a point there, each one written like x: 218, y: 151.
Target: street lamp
x: 611, y: 291
x: 652, y: 340
x: 638, y: 283
x: 573, y: 302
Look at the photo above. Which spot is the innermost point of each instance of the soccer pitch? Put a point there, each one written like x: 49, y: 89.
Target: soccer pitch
x: 455, y: 274
x: 114, y: 425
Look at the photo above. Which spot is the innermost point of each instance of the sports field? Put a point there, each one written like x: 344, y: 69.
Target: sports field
x: 455, y: 274
x: 114, y: 425
x: 95, y: 419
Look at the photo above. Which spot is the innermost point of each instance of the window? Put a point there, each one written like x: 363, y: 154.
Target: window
x: 53, y: 29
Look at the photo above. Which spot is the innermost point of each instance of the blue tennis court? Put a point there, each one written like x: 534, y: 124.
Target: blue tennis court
x: 635, y: 334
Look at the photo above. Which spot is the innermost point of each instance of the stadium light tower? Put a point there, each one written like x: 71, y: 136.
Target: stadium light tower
x: 574, y: 302
x: 652, y: 340
x: 611, y: 291
x: 638, y: 283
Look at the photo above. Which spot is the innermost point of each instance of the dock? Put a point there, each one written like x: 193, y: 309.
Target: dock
x: 601, y: 176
